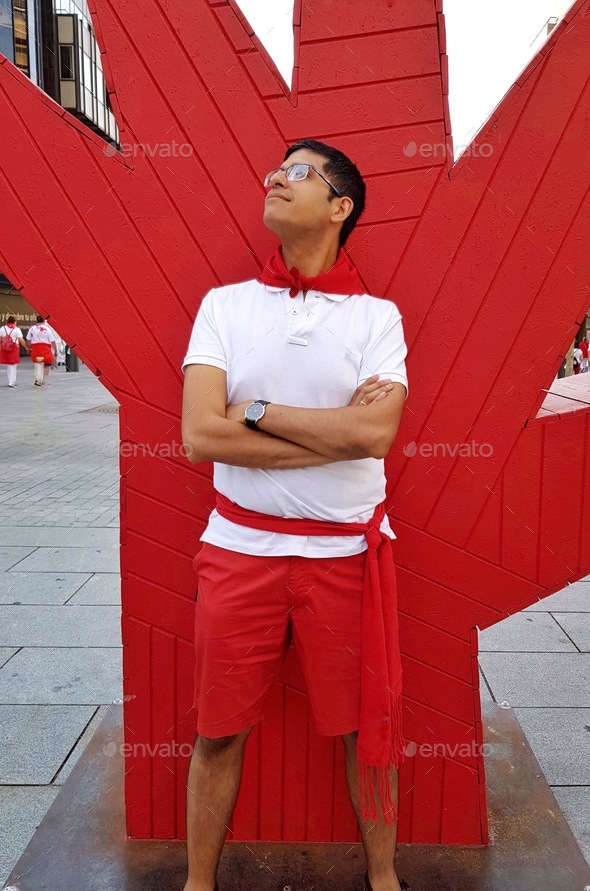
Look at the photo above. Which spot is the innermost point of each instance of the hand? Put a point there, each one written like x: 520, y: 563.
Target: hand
x: 371, y: 390
x: 236, y: 412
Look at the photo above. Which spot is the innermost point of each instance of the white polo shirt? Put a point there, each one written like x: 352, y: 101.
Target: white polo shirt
x: 308, y: 354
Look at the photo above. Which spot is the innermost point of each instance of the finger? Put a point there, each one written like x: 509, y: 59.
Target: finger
x: 375, y: 386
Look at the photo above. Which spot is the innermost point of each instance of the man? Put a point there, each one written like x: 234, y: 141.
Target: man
x: 43, y: 350
x: 294, y: 387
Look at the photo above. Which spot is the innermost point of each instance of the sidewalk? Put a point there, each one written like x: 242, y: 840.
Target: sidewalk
x: 60, y: 639
x: 60, y: 645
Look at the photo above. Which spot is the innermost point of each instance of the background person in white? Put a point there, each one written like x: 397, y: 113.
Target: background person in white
x: 318, y: 451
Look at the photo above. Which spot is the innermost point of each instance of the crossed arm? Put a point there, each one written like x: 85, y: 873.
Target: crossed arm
x: 288, y: 437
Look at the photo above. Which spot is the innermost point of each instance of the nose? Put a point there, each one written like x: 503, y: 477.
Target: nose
x: 278, y: 178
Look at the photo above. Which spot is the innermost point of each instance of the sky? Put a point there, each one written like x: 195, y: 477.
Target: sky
x: 488, y: 46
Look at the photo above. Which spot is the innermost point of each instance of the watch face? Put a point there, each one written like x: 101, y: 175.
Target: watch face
x: 255, y: 411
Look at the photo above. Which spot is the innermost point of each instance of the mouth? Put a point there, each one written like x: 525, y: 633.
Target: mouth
x: 276, y: 195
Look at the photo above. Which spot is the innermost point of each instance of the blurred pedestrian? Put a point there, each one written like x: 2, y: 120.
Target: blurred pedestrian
x: 578, y: 355
x: 43, y: 349
x: 10, y: 338
x: 584, y: 348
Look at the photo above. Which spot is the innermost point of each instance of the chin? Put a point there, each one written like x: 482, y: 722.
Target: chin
x: 271, y: 222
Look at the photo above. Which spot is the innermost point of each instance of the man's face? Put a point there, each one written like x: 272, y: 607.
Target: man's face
x: 292, y: 208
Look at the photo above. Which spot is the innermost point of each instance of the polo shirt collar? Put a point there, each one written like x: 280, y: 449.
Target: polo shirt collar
x: 337, y: 298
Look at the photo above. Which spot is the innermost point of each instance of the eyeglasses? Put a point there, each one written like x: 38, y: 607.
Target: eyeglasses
x: 297, y: 172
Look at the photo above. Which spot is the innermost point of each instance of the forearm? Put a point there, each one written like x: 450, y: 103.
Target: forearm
x: 230, y: 442
x: 342, y: 433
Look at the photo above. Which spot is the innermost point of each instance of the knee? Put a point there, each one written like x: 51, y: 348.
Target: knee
x: 211, y: 746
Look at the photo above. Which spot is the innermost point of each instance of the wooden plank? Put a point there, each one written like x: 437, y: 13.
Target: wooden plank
x: 432, y: 645
x: 562, y: 502
x: 272, y: 757
x: 359, y: 108
x: 295, y: 776
x: 321, y: 19
x: 428, y: 788
x: 320, y: 783
x: 360, y: 58
x: 521, y: 502
x: 460, y: 822
x: 411, y: 188
x: 185, y: 725
x: 165, y: 745
x: 137, y: 692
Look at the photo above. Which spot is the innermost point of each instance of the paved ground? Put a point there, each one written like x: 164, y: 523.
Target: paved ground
x: 60, y: 646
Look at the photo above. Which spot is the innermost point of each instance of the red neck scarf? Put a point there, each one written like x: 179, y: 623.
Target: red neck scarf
x: 380, y: 743
x: 342, y: 278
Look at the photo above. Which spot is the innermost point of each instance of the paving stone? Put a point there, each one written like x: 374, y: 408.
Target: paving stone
x: 69, y: 676
x: 577, y: 625
x: 574, y: 802
x: 31, y: 587
x: 22, y: 808
x: 538, y: 679
x: 560, y: 740
x: 10, y: 556
x: 573, y: 598
x: 78, y: 750
x: 60, y: 626
x: 101, y: 588
x: 528, y: 632
x: 6, y: 653
x: 102, y: 559
x: 51, y: 536
x: 37, y: 739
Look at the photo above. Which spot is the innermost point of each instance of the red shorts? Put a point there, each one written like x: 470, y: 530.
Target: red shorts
x: 247, y: 610
x: 42, y: 351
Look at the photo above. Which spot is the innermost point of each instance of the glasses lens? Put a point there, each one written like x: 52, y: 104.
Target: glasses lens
x: 297, y: 172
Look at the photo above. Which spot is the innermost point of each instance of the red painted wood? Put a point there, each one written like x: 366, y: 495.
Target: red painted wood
x: 484, y: 257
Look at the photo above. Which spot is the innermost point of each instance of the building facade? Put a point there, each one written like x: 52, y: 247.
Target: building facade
x: 52, y: 43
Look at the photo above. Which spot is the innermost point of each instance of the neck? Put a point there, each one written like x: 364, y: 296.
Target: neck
x: 310, y: 260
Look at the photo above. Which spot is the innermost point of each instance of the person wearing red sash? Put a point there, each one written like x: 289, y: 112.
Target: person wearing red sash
x: 11, y: 337
x: 294, y: 387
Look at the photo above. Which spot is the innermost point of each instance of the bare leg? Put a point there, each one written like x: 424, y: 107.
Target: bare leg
x: 213, y: 785
x: 379, y: 840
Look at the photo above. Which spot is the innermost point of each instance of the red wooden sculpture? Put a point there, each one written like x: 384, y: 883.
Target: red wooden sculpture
x: 485, y: 258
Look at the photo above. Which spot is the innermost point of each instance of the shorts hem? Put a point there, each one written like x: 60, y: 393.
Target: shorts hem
x: 213, y: 731
x: 336, y: 729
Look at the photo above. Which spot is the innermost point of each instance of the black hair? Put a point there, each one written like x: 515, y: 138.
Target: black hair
x: 40, y: 319
x: 344, y: 174
x: 10, y: 320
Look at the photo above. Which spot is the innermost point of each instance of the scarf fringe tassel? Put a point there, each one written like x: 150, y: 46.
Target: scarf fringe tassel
x: 371, y: 776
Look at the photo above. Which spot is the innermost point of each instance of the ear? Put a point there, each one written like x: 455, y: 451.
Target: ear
x: 341, y: 208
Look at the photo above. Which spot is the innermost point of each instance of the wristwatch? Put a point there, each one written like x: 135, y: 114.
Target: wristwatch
x: 254, y: 413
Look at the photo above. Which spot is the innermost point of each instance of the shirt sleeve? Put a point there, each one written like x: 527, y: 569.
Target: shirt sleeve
x: 30, y: 333
x: 205, y: 346
x: 386, y: 350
